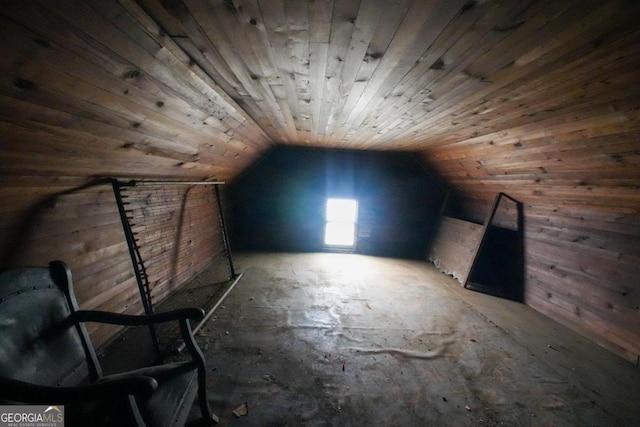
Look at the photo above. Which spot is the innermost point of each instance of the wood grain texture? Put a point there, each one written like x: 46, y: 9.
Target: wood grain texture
x: 76, y: 220
x: 98, y: 86
x: 177, y: 230
x: 580, y: 267
x: 537, y: 99
x: 454, y: 247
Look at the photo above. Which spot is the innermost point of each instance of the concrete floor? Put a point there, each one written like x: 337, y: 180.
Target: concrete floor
x: 349, y: 340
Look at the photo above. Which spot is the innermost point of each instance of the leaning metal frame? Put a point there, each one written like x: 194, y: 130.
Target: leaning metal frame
x: 136, y: 259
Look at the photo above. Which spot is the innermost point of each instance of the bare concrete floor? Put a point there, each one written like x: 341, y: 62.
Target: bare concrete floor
x: 349, y: 340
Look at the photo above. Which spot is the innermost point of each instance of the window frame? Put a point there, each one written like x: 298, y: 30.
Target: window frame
x: 328, y: 221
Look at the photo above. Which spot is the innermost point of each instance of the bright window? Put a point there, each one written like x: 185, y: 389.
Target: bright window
x: 340, y: 228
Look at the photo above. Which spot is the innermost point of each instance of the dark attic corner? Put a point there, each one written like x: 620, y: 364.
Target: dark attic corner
x: 352, y: 212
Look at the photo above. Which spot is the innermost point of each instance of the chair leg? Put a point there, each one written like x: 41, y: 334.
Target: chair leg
x: 198, y: 358
x: 209, y: 417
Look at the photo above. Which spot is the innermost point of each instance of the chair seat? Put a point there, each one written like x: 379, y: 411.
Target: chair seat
x: 46, y: 356
x: 171, y: 402
x: 169, y: 405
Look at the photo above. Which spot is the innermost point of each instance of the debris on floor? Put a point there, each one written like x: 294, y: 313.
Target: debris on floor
x: 241, y: 410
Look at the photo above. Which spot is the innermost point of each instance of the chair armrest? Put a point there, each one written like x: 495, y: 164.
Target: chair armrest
x: 132, y: 320
x: 19, y: 391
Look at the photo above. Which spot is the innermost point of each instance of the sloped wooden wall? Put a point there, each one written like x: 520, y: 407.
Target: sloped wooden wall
x: 178, y: 232
x: 77, y: 221
x: 581, y: 267
x: 537, y: 99
x: 556, y: 125
x: 92, y: 89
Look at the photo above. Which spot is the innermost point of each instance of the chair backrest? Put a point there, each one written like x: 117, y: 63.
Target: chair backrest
x: 39, y: 342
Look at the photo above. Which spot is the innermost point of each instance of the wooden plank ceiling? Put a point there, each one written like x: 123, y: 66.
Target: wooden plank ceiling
x: 538, y: 98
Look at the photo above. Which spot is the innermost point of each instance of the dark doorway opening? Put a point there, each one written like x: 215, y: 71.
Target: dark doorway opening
x: 498, y: 268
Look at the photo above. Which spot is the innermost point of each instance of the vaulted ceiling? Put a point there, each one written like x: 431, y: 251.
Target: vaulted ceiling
x: 538, y: 98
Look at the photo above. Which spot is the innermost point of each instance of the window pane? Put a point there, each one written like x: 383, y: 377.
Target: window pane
x: 344, y: 210
x: 339, y: 234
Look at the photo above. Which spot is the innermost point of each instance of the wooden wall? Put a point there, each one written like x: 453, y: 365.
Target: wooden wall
x: 581, y: 268
x: 279, y: 204
x: 556, y: 125
x: 178, y: 231
x: 537, y: 99
x: 93, y: 89
x: 77, y: 221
